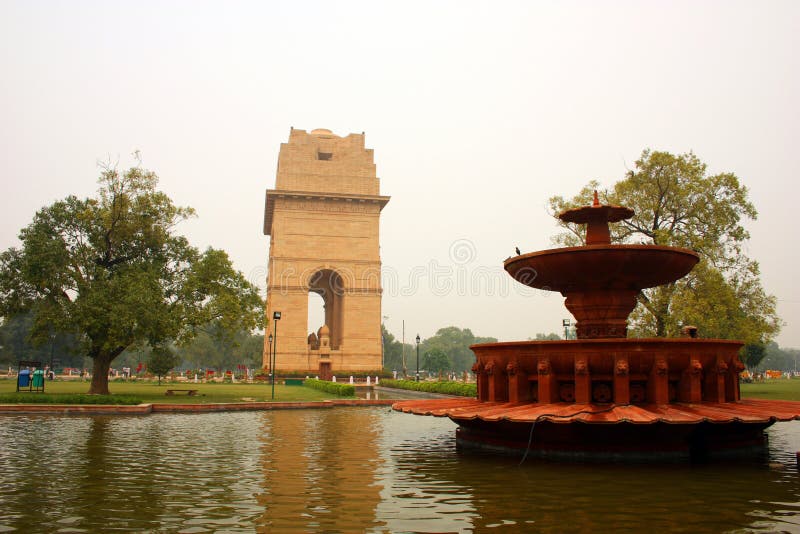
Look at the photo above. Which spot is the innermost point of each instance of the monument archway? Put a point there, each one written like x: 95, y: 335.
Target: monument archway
x: 323, y: 219
x: 329, y: 285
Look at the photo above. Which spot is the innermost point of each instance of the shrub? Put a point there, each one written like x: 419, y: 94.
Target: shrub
x: 448, y: 388
x: 343, y: 390
x: 73, y: 398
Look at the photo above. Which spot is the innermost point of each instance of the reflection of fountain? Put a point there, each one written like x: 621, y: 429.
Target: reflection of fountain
x: 604, y: 394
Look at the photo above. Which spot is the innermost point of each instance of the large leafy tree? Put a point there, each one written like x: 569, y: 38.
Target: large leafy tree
x: 677, y: 203
x: 112, y: 270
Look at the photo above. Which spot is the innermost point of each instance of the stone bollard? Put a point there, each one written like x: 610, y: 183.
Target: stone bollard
x: 195, y: 378
x: 351, y: 379
x: 368, y: 380
x: 333, y: 379
x: 376, y: 380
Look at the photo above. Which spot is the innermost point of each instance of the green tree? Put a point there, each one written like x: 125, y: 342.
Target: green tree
x: 393, y: 352
x: 162, y: 360
x: 111, y: 270
x: 545, y: 337
x: 677, y: 203
x: 455, y: 342
x: 211, y: 349
x: 16, y: 344
x: 753, y: 353
x: 436, y: 360
x: 776, y: 357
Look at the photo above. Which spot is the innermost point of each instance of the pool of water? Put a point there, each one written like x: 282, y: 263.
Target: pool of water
x: 357, y: 470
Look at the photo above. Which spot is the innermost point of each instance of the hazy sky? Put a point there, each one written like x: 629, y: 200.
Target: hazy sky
x: 478, y: 112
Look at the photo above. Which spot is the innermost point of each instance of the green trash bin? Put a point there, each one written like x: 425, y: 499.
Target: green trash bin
x: 38, y: 379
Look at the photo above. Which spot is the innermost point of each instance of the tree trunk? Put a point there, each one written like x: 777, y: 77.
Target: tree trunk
x: 99, y: 385
x: 661, y: 326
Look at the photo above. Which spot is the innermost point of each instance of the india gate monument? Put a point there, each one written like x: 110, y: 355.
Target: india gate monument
x: 323, y: 220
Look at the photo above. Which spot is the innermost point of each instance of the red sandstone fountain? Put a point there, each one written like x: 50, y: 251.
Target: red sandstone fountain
x: 605, y: 395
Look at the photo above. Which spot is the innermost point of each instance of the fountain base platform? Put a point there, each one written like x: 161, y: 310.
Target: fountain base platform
x: 648, y: 432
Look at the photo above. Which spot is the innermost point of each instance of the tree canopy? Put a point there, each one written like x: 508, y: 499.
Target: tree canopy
x: 161, y: 360
x: 455, y: 343
x: 112, y: 271
x: 677, y: 203
x: 436, y: 360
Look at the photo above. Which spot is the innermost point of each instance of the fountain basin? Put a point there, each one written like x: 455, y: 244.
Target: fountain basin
x: 675, y: 431
x: 621, y: 371
x: 609, y: 399
x: 604, y: 395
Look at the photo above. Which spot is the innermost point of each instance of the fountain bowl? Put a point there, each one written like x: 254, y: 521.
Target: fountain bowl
x: 607, y: 267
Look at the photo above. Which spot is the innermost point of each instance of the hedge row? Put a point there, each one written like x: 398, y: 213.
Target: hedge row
x: 343, y: 390
x: 75, y: 398
x: 448, y: 388
x: 358, y: 375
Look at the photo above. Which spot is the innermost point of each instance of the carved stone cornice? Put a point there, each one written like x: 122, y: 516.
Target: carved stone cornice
x: 327, y: 202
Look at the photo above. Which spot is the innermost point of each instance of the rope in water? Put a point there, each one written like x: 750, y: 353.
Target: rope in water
x: 556, y: 416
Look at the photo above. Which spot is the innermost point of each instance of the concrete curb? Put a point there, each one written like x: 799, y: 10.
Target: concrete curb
x: 146, y: 409
x: 418, y: 394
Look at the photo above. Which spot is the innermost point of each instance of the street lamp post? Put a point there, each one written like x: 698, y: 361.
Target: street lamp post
x: 269, y: 363
x: 276, y: 316
x: 566, y: 324
x: 417, y: 357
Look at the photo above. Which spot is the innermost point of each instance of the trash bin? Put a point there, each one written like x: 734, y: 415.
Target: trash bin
x: 24, y: 378
x: 38, y: 379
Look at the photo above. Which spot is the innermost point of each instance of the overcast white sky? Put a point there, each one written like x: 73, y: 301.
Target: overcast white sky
x: 478, y: 112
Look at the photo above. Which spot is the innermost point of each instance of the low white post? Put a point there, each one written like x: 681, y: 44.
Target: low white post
x: 334, y: 378
x: 351, y: 379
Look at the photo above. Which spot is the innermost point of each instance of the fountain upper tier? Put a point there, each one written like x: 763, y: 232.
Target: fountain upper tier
x: 601, y: 281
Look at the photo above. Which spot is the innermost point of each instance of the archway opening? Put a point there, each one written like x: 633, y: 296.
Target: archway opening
x: 328, y: 285
x: 316, y: 311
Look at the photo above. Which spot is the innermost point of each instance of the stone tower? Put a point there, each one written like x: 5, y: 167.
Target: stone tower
x: 323, y: 218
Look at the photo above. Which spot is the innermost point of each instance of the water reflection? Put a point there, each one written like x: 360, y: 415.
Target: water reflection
x: 319, y: 470
x: 356, y: 470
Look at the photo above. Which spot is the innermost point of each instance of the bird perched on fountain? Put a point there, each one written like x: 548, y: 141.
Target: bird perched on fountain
x: 518, y: 252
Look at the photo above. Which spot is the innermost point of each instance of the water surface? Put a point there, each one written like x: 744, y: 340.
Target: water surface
x: 357, y: 470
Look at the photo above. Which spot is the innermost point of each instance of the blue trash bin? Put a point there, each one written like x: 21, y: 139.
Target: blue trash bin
x: 24, y: 378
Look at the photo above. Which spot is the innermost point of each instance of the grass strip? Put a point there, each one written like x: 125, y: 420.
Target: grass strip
x: 45, y: 398
x: 447, y: 388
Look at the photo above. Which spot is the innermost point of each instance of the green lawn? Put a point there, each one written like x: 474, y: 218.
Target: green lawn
x: 780, y: 389
x: 148, y: 392
x: 208, y: 393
